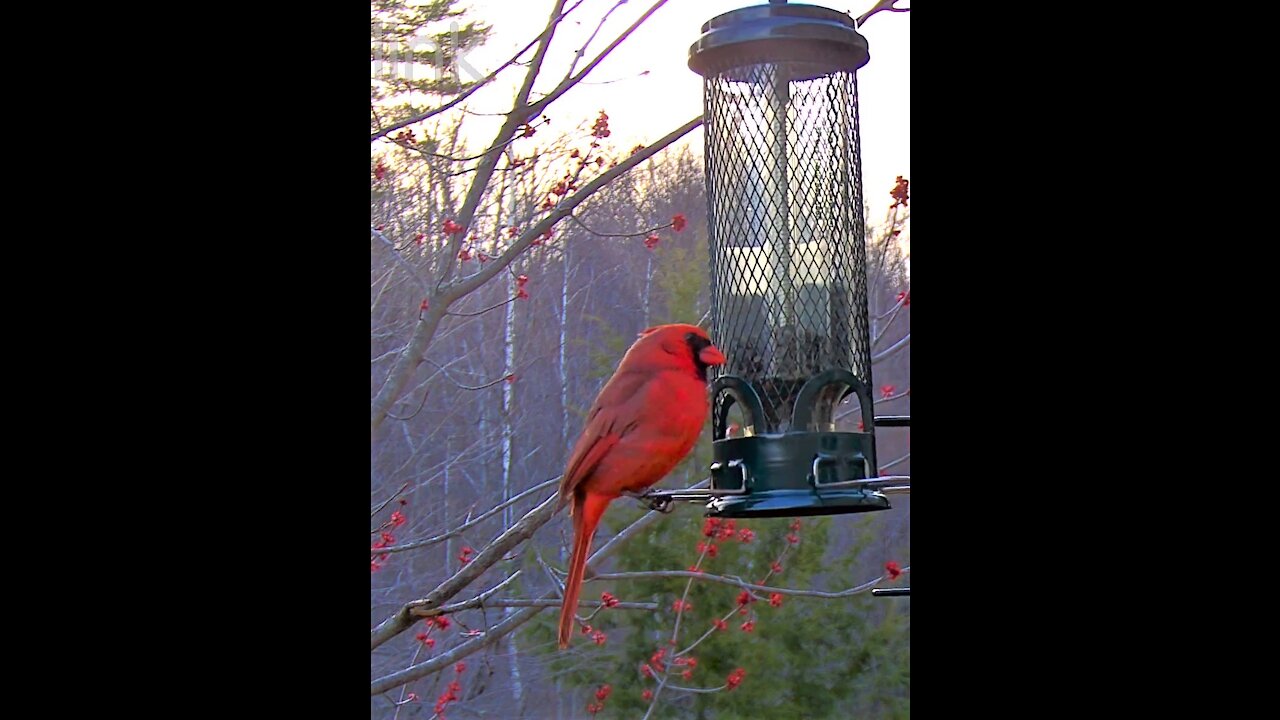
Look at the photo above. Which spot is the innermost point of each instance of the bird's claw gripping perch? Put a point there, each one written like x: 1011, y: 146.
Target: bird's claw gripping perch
x: 653, y: 500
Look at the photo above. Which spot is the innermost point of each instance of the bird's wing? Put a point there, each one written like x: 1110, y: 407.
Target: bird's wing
x: 607, y: 423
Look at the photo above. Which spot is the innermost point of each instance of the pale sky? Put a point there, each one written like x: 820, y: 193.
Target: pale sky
x: 644, y: 108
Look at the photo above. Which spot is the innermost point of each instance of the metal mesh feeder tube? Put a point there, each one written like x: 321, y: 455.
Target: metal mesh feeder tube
x: 787, y: 261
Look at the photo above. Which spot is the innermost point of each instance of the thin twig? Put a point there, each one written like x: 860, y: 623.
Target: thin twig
x: 739, y: 582
x: 856, y: 407
x: 421, y: 405
x: 471, y: 283
x: 538, y: 603
x: 884, y: 330
x: 890, y: 464
x: 413, y: 272
x: 786, y: 549
x: 675, y: 631
x: 474, y: 602
x: 481, y: 312
x: 427, y: 153
x: 402, y: 621
x: 539, y: 106
x: 906, y: 340
x: 437, y: 539
x: 387, y: 502
x: 678, y: 688
x: 405, y: 688
x: 582, y: 51
x: 642, y: 233
x: 897, y: 304
x: 460, y: 385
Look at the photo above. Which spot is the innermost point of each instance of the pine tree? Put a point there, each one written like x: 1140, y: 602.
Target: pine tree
x: 417, y: 51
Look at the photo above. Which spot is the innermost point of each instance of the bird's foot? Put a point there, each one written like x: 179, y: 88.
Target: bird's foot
x: 652, y: 500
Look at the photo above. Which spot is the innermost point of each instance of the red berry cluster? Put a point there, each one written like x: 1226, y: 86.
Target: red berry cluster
x: 452, y: 693
x: 385, y: 539
x: 899, y: 192
x: 601, y: 127
x: 602, y: 694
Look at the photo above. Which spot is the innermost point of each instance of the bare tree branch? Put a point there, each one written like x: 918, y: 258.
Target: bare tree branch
x: 490, y: 555
x: 447, y: 659
x: 642, y: 233
x: 739, y: 582
x: 413, y: 272
x: 421, y: 405
x: 896, y: 305
x: 425, y: 330
x: 475, y: 602
x: 434, y: 540
x: 541, y: 105
x: 857, y: 408
x: 897, y: 308
x: 473, y: 282
x: 677, y: 688
x: 891, y: 463
x: 459, y: 385
x: 532, y: 603
x: 481, y: 312
x: 401, y: 621
x: 906, y: 340
x: 387, y: 502
x: 582, y: 51
x: 484, y: 171
x: 479, y: 84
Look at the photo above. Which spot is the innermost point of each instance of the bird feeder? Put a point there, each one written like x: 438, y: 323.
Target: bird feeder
x: 788, y: 263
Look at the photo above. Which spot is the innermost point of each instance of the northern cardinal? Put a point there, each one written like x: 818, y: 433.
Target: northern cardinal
x: 645, y: 420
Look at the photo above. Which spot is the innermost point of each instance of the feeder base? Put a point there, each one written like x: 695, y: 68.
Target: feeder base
x: 794, y: 474
x: 797, y: 503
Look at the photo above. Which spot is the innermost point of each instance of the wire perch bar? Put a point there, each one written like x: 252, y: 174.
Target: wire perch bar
x: 663, y: 501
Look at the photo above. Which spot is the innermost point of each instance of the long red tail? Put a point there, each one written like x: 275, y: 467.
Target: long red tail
x: 586, y: 516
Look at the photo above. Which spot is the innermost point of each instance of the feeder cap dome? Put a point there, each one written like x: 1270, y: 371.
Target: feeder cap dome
x: 818, y: 40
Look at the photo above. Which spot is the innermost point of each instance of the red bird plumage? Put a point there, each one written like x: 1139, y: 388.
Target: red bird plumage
x: 645, y: 420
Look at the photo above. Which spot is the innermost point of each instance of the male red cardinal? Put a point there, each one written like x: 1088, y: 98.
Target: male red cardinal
x: 643, y: 423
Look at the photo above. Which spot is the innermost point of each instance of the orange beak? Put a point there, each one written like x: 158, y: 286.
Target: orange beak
x: 711, y: 355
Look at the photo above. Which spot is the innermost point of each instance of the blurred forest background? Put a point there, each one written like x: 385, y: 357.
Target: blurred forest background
x: 475, y: 434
